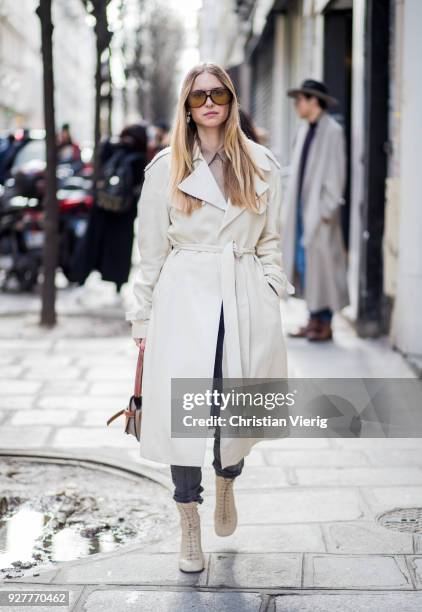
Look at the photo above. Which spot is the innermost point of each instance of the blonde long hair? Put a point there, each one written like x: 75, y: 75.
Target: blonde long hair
x: 240, y: 169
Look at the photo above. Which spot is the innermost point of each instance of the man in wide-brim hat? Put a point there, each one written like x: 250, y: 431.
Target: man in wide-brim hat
x: 313, y: 249
x: 313, y: 88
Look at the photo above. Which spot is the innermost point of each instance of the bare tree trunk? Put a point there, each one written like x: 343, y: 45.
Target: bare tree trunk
x: 110, y: 113
x: 98, y: 8
x: 50, y: 252
x: 110, y: 99
x: 103, y: 38
x: 97, y: 117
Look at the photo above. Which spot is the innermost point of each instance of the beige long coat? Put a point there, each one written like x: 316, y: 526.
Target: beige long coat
x: 189, y: 265
x: 322, y: 194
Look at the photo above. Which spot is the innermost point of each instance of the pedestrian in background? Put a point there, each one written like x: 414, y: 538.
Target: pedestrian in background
x: 68, y: 151
x: 312, y: 243
x: 9, y: 149
x: 6, y: 148
x: 108, y: 241
x: 247, y: 125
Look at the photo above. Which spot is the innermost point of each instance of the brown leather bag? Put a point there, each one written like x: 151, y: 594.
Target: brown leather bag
x: 133, y: 412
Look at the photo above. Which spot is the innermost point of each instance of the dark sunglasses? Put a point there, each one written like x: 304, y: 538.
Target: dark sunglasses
x: 219, y: 95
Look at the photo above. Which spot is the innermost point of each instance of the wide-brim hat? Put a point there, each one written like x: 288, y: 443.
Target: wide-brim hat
x: 314, y: 88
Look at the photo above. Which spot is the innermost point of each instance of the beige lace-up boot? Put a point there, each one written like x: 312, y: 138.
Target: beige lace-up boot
x: 225, y: 514
x: 191, y: 556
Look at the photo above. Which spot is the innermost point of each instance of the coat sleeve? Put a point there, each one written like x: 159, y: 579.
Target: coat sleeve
x: 153, y: 245
x: 334, y: 182
x: 268, y: 247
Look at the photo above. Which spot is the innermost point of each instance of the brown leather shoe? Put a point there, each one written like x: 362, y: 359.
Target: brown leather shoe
x: 303, y: 331
x: 321, y: 332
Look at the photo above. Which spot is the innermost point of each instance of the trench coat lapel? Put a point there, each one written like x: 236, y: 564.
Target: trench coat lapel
x: 201, y: 184
x: 261, y: 186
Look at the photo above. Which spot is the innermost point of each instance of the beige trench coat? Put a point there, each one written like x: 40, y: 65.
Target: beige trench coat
x: 188, y: 267
x: 323, y: 187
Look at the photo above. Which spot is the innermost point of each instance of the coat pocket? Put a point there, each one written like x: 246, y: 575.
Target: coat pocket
x: 271, y: 291
x: 264, y: 281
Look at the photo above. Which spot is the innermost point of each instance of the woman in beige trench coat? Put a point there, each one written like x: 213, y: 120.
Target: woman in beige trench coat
x: 201, y: 251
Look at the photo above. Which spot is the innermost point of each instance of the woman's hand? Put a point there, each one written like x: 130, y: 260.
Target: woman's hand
x: 140, y: 342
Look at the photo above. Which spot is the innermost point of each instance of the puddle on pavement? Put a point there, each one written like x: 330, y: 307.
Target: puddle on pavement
x: 53, y: 511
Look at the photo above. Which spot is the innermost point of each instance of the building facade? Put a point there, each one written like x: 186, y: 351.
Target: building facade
x: 21, y: 67
x: 367, y: 52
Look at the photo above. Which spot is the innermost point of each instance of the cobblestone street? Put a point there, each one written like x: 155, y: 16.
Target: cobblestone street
x: 307, y: 538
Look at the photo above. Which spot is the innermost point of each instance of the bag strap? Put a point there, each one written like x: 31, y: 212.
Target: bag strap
x: 138, y: 377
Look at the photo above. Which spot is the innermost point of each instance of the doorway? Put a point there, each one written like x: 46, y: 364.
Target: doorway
x: 337, y: 63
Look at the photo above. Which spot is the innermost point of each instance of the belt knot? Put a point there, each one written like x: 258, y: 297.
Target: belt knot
x: 239, y: 251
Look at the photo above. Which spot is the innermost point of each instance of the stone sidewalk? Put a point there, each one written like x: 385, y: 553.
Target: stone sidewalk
x: 307, y: 537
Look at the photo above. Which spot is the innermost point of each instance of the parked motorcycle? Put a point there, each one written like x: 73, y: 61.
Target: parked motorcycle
x: 75, y: 202
x: 22, y: 232
x: 21, y: 242
x: 22, y: 215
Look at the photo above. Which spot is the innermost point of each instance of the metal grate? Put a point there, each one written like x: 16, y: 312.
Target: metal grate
x: 402, y: 519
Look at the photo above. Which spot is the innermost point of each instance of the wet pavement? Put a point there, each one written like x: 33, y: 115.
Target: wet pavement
x: 69, y: 510
x: 307, y: 537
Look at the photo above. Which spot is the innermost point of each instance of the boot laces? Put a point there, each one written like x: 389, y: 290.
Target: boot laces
x: 192, y: 534
x: 222, y: 506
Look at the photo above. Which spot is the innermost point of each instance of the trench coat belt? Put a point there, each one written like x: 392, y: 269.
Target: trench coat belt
x: 229, y: 253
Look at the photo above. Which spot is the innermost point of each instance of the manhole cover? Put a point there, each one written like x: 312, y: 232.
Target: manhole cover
x: 61, y: 510
x: 402, y: 519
